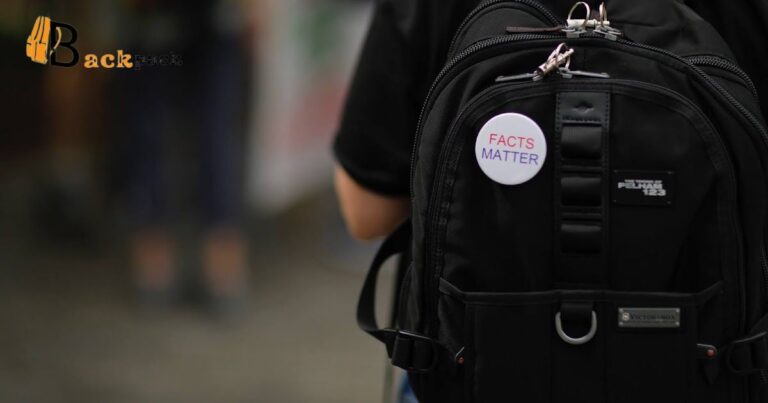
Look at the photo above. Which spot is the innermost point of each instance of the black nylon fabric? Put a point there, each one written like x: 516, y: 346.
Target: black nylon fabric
x: 658, y: 23
x: 744, y: 25
x: 494, y: 264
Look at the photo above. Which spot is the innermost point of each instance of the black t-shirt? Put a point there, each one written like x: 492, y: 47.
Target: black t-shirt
x: 406, y: 47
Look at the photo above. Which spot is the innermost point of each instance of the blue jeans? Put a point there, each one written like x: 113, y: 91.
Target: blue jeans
x: 406, y: 394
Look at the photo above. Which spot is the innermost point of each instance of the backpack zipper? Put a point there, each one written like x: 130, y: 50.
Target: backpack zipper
x: 520, y: 37
x: 764, y: 266
x: 553, y: 19
x: 727, y: 65
x: 712, y: 83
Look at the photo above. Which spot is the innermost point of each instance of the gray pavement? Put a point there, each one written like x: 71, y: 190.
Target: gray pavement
x: 70, y: 331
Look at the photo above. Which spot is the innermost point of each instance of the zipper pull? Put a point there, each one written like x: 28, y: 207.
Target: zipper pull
x: 605, y: 29
x: 572, y: 33
x: 608, y: 32
x: 558, y: 61
x: 574, y: 27
x: 535, y: 30
x: 597, y: 21
x: 559, y: 57
x: 517, y: 77
x: 567, y: 73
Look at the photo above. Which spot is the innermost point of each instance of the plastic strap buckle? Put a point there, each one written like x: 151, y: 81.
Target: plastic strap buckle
x: 412, y: 352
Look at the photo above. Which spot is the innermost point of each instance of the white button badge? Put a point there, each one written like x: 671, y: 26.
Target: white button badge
x: 511, y: 149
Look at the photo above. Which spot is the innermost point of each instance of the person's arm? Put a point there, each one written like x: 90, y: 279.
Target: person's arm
x: 368, y: 215
x: 374, y: 142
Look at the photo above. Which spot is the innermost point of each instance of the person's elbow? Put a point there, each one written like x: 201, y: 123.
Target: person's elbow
x: 368, y: 215
x: 365, y: 228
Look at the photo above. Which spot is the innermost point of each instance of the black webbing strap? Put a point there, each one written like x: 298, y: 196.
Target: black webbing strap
x: 581, y: 191
x: 407, y: 350
x: 749, y: 355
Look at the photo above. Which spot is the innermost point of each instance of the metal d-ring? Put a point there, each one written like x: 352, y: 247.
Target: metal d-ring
x: 578, y: 340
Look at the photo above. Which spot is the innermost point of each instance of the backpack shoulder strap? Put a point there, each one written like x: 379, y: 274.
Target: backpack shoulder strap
x: 407, y: 350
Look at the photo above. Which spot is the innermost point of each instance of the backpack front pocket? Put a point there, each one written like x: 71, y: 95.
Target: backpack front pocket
x: 583, y: 346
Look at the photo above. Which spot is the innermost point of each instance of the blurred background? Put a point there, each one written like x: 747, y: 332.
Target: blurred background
x: 170, y: 234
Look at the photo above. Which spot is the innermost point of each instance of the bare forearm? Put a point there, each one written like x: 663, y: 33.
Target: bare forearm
x: 368, y: 215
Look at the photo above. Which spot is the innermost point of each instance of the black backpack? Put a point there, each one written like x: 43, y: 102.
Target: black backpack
x: 588, y: 214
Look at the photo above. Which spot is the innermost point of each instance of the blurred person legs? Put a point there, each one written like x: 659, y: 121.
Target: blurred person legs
x: 152, y: 245
x: 200, y: 101
x: 224, y: 257
x: 154, y: 262
x: 225, y: 248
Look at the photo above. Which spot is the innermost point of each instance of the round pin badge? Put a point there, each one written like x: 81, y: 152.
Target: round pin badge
x: 511, y: 149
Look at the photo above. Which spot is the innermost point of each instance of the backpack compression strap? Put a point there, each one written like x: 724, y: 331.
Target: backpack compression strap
x: 749, y: 355
x: 407, y: 350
